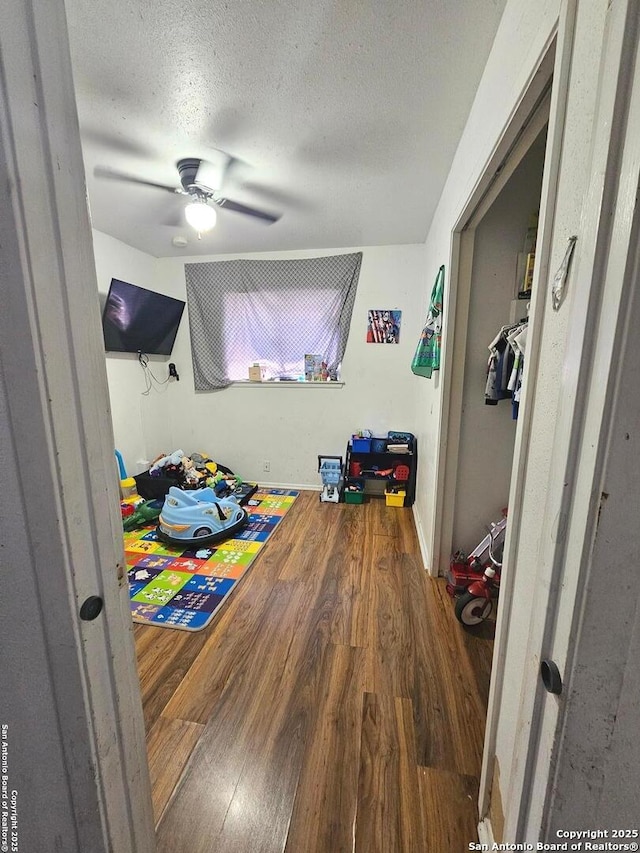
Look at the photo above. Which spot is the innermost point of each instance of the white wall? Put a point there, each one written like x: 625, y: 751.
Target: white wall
x: 133, y: 414
x: 287, y: 425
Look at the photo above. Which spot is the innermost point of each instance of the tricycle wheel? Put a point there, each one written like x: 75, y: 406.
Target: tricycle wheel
x: 472, y: 610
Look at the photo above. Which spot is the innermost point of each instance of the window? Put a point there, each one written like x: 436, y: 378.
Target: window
x: 270, y: 312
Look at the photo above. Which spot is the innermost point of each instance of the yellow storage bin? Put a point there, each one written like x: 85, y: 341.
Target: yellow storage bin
x: 395, y: 498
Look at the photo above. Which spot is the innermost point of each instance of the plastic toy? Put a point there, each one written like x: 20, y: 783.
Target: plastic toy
x: 199, y: 517
x: 475, y: 579
x: 330, y: 469
x: 121, y: 469
x: 145, y: 512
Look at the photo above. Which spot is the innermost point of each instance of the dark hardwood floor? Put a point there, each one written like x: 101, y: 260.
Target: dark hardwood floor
x: 335, y: 705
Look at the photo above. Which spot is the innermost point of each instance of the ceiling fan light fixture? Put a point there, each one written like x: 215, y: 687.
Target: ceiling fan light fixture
x: 200, y: 216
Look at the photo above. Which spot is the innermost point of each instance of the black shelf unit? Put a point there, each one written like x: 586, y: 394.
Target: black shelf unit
x: 382, y: 460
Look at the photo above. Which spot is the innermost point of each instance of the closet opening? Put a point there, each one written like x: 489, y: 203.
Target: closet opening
x: 503, y: 259
x: 488, y: 264
x: 499, y: 248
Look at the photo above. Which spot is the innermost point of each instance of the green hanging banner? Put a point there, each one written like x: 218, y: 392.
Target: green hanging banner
x: 427, y: 355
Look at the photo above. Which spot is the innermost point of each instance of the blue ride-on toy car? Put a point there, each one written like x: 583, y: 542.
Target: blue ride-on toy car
x: 199, y: 517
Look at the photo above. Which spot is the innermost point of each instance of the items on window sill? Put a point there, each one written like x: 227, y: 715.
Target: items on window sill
x: 315, y: 370
x: 302, y: 379
x: 257, y: 372
x: 285, y: 382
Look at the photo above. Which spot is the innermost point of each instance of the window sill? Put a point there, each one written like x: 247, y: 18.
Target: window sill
x: 247, y: 383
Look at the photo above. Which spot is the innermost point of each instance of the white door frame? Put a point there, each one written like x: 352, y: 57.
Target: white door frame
x: 604, y: 280
x: 58, y: 431
x: 463, y: 245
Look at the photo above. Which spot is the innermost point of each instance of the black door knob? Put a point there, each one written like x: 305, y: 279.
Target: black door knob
x: 551, y: 677
x: 91, y: 608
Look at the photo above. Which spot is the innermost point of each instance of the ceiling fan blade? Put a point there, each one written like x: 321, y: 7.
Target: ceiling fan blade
x: 175, y: 219
x: 112, y: 141
x: 236, y: 171
x: 227, y: 204
x: 113, y: 175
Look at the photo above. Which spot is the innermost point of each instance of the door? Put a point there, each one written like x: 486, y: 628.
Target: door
x: 564, y: 625
x: 73, y: 753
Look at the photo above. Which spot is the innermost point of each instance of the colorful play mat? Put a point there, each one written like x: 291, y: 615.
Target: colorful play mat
x: 176, y: 588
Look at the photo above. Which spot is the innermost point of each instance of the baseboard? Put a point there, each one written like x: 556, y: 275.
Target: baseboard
x: 297, y: 486
x: 422, y: 542
x: 485, y: 833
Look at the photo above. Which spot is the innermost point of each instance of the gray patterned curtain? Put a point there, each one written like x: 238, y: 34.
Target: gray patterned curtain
x: 272, y: 312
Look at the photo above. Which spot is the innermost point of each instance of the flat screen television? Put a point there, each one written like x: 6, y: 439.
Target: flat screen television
x: 139, y: 320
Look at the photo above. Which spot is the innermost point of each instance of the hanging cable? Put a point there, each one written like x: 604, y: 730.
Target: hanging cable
x: 150, y: 380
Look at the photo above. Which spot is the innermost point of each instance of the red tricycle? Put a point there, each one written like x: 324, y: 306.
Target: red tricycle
x: 475, y: 580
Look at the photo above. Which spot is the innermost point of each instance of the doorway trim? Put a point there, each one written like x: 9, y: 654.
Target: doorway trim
x: 553, y: 62
x: 64, y: 504
x: 525, y: 122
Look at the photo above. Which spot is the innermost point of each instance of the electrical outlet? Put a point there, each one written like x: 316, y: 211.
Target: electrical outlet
x: 266, y: 465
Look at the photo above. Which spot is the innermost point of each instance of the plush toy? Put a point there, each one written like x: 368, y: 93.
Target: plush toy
x: 224, y: 484
x: 200, y: 461
x: 191, y: 474
x: 174, y: 459
x: 214, y: 478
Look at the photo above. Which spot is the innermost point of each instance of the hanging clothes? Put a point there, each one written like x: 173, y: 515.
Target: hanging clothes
x: 518, y: 340
x: 505, y: 365
x: 427, y: 355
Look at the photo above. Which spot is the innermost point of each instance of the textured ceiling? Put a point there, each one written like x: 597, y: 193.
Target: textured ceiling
x: 345, y: 113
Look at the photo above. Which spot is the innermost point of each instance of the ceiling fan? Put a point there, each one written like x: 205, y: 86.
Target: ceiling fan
x: 200, y: 210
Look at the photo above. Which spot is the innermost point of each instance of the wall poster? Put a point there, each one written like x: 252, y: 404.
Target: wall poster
x: 383, y: 326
